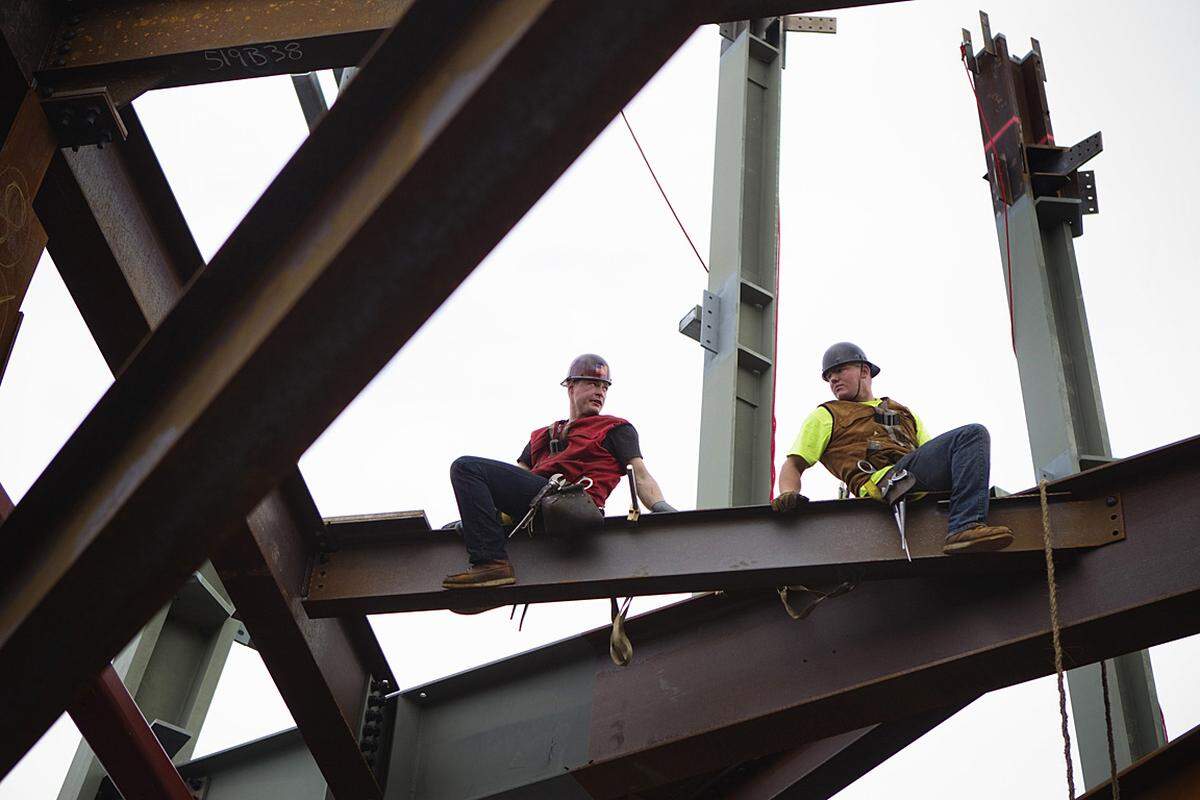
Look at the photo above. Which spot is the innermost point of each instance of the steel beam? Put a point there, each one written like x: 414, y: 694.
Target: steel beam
x: 183, y: 42
x: 719, y: 680
x: 822, y: 769
x: 133, y: 46
x: 1170, y: 773
x: 384, y: 565
x: 326, y: 669
x: 736, y: 426
x: 116, y: 730
x: 1039, y: 198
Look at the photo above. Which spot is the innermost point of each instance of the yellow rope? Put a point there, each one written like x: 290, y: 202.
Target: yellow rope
x: 1054, y: 636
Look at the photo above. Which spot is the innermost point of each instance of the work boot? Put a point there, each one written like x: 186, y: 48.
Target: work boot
x: 482, y: 576
x: 979, y: 538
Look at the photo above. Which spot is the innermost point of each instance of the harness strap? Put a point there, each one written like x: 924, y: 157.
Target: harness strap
x: 840, y: 589
x: 620, y: 649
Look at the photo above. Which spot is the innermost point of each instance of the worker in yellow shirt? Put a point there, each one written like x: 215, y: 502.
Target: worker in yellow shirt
x: 880, y: 449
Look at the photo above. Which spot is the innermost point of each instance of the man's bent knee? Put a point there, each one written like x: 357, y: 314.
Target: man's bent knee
x: 976, y: 431
x: 462, y: 466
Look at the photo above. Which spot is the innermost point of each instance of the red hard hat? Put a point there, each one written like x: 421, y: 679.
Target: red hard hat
x: 588, y: 367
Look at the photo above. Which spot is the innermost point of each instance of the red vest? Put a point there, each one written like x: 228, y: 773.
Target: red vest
x: 584, y: 455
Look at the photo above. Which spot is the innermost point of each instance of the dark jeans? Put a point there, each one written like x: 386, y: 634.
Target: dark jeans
x: 958, y: 461
x: 483, y: 487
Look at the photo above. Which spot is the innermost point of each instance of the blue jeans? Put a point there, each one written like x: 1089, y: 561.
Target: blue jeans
x: 483, y: 487
x: 958, y: 461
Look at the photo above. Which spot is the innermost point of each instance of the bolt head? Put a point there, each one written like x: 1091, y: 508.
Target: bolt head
x: 1110, y: 501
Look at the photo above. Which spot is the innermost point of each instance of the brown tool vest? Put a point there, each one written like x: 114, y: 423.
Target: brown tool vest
x: 860, y: 433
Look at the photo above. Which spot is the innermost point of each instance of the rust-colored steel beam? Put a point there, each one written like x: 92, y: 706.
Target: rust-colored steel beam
x: 133, y: 46
x: 822, y: 769
x: 1169, y: 773
x: 118, y: 238
x: 117, y: 732
x: 723, y: 679
x: 387, y: 564
x: 326, y: 668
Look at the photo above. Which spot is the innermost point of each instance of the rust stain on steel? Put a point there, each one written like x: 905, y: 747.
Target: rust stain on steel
x: 168, y: 27
x: 23, y: 161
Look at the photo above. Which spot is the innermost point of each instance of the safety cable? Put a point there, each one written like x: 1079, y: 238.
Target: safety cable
x: 775, y: 349
x: 662, y: 191
x: 989, y: 146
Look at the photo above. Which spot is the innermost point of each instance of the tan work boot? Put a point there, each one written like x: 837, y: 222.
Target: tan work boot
x: 978, y: 538
x: 482, y: 576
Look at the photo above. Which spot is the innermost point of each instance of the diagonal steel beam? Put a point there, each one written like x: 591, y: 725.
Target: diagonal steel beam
x: 388, y: 564
x: 121, y: 738
x: 719, y: 680
x: 1169, y: 773
x: 821, y: 769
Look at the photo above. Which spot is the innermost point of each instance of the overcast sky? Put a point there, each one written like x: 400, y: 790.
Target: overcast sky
x: 887, y: 240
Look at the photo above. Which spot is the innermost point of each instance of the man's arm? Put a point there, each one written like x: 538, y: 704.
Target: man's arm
x: 790, y: 473
x: 647, y: 488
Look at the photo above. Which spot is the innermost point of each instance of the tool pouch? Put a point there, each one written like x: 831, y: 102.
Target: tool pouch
x: 895, y: 485
x: 567, y: 510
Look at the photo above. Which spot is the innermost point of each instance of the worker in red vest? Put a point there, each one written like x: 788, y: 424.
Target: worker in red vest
x: 586, y: 444
x: 880, y: 449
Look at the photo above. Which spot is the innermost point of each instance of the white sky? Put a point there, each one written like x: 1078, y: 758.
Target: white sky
x: 888, y: 240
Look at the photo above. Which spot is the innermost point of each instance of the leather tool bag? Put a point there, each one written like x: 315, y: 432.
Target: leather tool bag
x: 568, y: 509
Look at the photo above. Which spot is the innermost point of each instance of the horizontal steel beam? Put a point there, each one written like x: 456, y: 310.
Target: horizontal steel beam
x: 722, y: 679
x: 384, y: 565
x: 133, y: 46
x: 1169, y: 773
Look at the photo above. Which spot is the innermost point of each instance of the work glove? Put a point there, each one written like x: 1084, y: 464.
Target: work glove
x: 662, y: 505
x: 788, y: 501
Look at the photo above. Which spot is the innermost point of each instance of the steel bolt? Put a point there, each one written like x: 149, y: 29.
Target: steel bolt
x: 374, y: 716
x: 1110, y: 501
x: 74, y: 20
x: 371, y: 729
x: 69, y: 35
x: 65, y: 48
x: 60, y: 62
x: 385, y: 685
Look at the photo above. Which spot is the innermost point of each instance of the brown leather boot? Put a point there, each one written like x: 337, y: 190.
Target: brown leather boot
x: 978, y: 538
x: 482, y: 576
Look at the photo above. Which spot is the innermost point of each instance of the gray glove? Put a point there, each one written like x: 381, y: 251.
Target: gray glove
x: 788, y: 501
x: 661, y: 506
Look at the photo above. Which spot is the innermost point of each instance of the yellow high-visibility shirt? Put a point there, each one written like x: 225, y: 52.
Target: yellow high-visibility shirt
x: 814, y: 438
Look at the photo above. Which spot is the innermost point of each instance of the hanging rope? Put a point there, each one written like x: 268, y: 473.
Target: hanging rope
x: 662, y: 191
x: 1112, y: 750
x: 818, y: 597
x: 1054, y: 637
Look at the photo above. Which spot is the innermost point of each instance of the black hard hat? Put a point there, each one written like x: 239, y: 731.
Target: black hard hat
x: 588, y: 367
x: 845, y: 353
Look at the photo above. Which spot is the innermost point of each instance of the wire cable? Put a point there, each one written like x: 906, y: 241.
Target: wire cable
x: 662, y: 191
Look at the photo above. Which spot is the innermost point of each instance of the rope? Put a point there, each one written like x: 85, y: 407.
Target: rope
x: 662, y: 191
x: 819, y: 597
x: 1054, y: 636
x: 988, y: 148
x: 1112, y: 750
x: 775, y: 353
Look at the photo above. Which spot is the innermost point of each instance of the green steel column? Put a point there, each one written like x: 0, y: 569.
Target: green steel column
x: 735, y: 432
x: 171, y: 669
x: 1039, y: 199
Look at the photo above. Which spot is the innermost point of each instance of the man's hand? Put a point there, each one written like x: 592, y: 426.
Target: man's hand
x: 661, y: 506
x: 788, y: 501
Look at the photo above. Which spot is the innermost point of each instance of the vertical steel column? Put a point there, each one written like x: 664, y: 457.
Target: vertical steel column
x: 1039, y: 198
x: 738, y: 315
